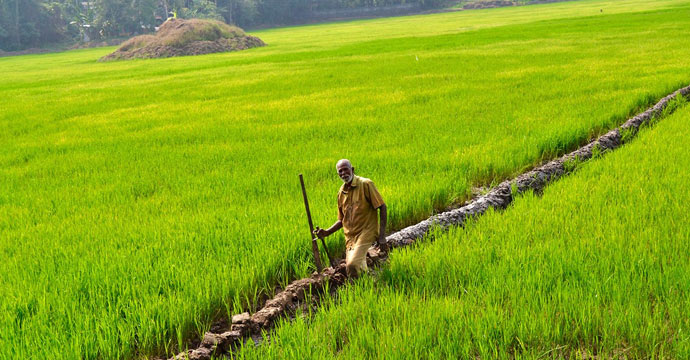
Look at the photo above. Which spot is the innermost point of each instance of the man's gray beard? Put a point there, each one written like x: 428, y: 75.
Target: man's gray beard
x: 349, y: 178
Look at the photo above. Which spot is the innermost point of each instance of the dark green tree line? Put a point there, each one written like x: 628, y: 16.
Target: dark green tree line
x: 33, y: 23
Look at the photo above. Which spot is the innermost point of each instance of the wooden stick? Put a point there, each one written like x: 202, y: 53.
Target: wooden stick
x: 314, y: 244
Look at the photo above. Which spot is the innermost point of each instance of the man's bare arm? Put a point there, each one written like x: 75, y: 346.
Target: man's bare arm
x: 322, y: 233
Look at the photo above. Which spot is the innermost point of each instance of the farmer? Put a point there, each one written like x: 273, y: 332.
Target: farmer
x: 358, y: 201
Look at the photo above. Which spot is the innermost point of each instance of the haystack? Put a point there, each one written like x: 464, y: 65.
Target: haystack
x: 177, y: 37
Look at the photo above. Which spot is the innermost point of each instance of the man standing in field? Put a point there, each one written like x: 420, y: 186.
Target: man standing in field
x: 358, y: 200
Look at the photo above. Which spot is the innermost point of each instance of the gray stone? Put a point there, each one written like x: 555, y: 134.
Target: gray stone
x: 200, y: 354
x: 210, y: 340
x: 242, y: 318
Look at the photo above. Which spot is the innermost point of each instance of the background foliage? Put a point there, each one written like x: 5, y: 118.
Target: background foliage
x: 31, y: 23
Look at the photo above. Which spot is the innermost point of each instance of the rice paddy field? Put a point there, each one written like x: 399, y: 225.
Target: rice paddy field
x: 140, y: 200
x: 596, y: 267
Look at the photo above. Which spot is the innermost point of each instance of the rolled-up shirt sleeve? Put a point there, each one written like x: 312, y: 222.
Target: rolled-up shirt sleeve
x: 373, y: 195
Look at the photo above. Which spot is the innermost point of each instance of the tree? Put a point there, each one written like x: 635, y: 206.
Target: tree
x: 26, y: 23
x: 201, y: 9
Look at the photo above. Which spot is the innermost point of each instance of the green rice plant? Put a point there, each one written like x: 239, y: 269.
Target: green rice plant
x: 572, y: 164
x: 597, y: 151
x: 673, y: 105
x: 140, y: 199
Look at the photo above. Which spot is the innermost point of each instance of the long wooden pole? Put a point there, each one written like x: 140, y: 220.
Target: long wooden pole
x: 314, y: 244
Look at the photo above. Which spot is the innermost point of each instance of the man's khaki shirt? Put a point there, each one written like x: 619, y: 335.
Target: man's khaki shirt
x: 357, y: 210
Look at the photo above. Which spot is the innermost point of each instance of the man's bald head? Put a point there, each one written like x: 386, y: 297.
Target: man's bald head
x: 345, y: 170
x: 343, y: 162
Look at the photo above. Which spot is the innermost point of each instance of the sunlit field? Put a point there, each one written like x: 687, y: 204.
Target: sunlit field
x: 142, y: 199
x: 598, y: 266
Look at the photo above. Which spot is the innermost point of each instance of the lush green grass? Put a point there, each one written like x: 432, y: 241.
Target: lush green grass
x: 597, y: 266
x: 139, y: 199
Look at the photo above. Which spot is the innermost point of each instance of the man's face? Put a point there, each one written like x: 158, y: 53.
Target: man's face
x: 345, y: 173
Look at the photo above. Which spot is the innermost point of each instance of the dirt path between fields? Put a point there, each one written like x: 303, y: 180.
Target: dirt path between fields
x: 304, y: 293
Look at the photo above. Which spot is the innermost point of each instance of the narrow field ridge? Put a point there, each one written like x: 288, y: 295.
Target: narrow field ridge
x: 302, y: 293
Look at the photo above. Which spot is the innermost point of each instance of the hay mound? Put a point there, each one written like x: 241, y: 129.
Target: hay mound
x: 177, y: 37
x: 488, y: 4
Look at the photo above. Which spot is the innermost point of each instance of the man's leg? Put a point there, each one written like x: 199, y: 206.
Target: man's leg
x: 356, y: 259
x: 349, y: 251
